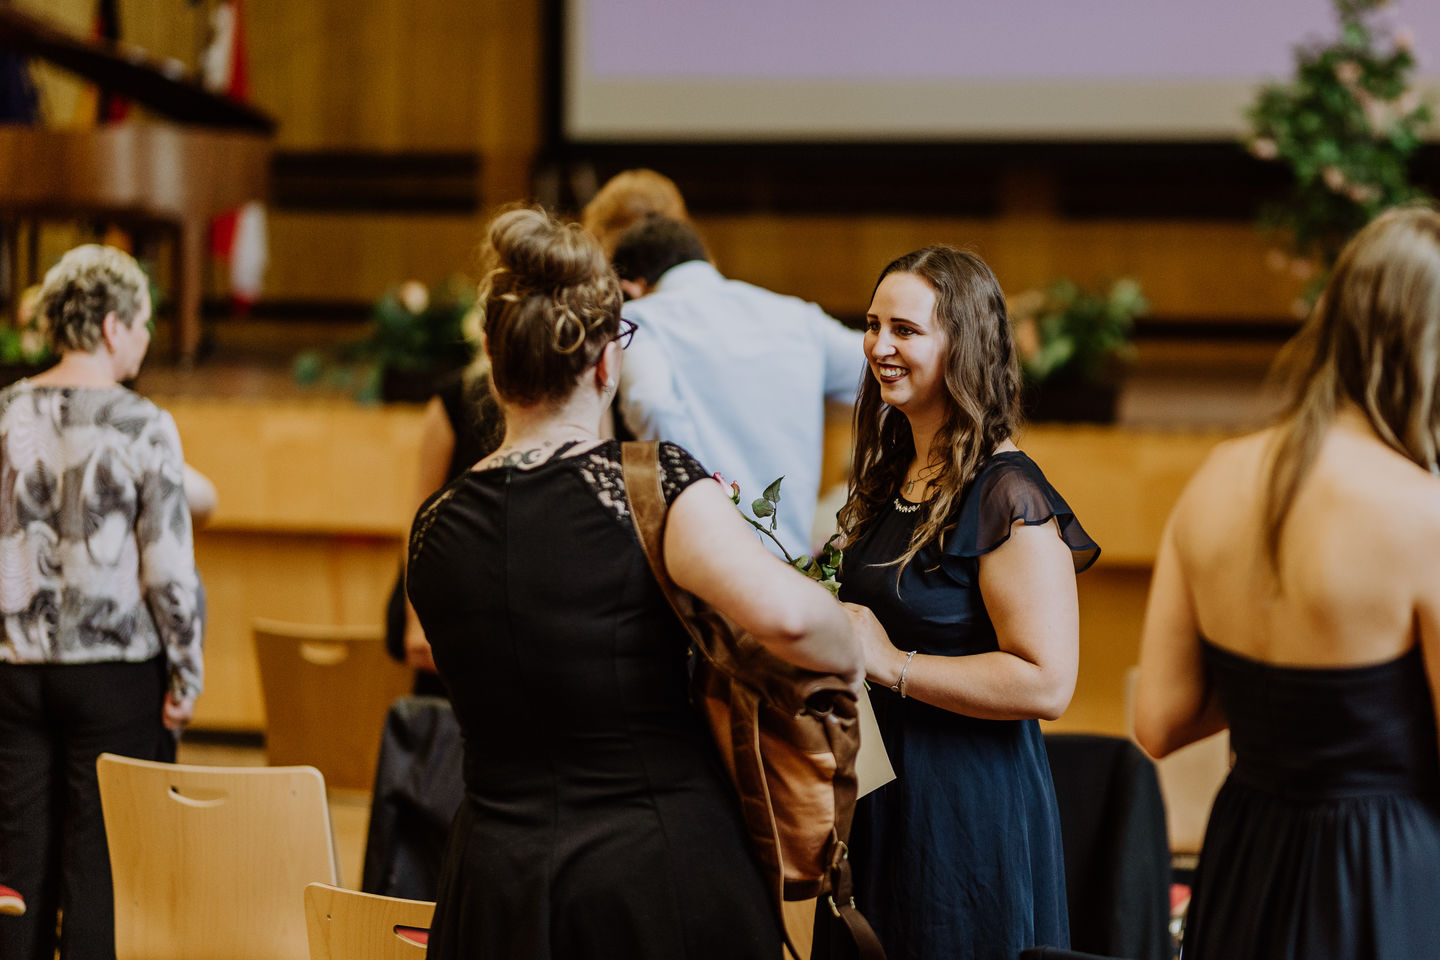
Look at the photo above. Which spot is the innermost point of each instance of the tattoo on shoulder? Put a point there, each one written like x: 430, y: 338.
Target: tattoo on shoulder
x: 515, y: 458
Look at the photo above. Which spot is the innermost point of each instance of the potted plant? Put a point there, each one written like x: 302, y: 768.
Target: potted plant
x: 417, y: 336
x: 1346, y: 126
x: 24, y: 348
x: 1074, y: 345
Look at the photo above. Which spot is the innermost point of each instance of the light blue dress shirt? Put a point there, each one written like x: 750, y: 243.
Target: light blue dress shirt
x: 739, y: 377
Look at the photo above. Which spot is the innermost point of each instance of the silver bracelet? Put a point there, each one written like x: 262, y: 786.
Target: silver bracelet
x: 899, y: 685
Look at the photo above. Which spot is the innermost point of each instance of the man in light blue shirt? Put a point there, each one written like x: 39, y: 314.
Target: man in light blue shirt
x: 733, y: 373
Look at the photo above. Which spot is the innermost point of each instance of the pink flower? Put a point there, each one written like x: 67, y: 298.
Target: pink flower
x: 413, y: 296
x: 1362, y: 193
x: 1264, y: 148
x: 1334, y: 178
x: 734, y: 487
x: 1348, y: 72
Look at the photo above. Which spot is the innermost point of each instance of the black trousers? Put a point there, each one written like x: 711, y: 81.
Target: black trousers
x: 55, y: 719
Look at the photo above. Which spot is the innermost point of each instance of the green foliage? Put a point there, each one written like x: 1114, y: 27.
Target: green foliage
x: 1346, y: 126
x: 413, y: 330
x: 416, y: 329
x: 1068, y: 332
x: 822, y: 567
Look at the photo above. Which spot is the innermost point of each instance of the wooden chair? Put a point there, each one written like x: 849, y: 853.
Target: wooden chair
x: 327, y: 690
x: 349, y: 925
x: 208, y: 862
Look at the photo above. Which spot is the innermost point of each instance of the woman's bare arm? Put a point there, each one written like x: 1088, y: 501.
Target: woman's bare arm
x: 1028, y: 584
x: 1174, y: 704
x: 713, y: 553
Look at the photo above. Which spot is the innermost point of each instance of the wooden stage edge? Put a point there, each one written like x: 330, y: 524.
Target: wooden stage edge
x: 316, y: 495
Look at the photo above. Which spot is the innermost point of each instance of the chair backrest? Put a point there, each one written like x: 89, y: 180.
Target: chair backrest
x: 1117, y: 860
x: 326, y: 693
x: 349, y: 925
x: 208, y: 862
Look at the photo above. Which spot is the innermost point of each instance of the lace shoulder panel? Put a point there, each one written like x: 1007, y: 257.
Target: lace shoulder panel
x: 677, y: 470
x: 602, y: 472
x: 425, y: 516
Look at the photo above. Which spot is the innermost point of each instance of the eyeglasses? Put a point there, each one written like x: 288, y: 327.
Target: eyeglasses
x: 626, y: 334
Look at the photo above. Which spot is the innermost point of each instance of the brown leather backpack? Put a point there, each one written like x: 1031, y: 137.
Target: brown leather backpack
x: 788, y: 736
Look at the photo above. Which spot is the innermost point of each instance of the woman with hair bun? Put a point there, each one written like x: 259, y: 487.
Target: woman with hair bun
x: 967, y: 557
x: 598, y: 821
x: 1296, y: 601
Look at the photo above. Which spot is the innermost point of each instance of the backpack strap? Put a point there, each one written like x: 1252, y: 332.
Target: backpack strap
x: 640, y: 463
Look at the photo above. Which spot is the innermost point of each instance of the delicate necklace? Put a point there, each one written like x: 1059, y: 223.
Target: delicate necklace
x: 905, y: 506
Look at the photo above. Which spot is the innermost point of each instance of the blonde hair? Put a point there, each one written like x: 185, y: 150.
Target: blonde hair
x: 1372, y: 340
x: 628, y: 198
x: 89, y: 283
x: 550, y: 303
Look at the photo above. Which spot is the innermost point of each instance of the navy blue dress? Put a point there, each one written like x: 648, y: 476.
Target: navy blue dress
x: 960, y: 856
x: 1325, y: 840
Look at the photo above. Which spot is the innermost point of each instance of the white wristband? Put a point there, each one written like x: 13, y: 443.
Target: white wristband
x: 899, y: 685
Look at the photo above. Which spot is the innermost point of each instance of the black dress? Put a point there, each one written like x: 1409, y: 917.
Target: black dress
x: 960, y: 856
x: 1325, y: 840
x: 598, y: 821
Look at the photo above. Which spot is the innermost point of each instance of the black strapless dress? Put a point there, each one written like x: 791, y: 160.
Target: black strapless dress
x: 1325, y: 840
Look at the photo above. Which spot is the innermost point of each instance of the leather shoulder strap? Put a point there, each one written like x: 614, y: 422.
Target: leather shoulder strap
x: 640, y: 463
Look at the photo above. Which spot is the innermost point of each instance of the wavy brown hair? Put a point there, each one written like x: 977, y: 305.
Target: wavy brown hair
x: 1373, y: 340
x: 550, y: 303
x: 982, y: 383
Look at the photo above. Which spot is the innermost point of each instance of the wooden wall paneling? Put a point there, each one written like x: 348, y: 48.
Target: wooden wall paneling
x: 1112, y: 609
x: 509, y: 68
x: 322, y: 578
x: 1189, y: 269
x: 356, y: 257
x: 368, y: 74
x: 326, y: 466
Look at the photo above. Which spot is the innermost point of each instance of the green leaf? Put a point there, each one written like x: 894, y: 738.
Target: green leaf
x: 762, y: 507
x: 772, y: 492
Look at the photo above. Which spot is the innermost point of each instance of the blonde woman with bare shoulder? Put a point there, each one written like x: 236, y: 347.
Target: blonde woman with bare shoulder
x: 1296, y: 601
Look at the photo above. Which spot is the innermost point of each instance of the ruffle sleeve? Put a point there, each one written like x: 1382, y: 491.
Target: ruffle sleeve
x: 1011, y: 488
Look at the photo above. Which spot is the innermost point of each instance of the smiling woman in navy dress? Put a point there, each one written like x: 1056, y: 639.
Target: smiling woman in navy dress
x: 965, y: 557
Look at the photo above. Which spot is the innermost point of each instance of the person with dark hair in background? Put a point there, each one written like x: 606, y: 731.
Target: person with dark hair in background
x: 731, y: 372
x: 101, y: 650
x: 598, y: 821
x: 628, y: 198
x: 1296, y: 601
x: 964, y: 558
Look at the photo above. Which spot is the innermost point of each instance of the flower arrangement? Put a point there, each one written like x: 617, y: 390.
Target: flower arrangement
x: 1066, y: 332
x: 1346, y: 126
x: 416, y: 334
x: 822, y: 567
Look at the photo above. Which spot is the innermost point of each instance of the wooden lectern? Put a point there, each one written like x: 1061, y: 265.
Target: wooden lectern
x: 215, y: 158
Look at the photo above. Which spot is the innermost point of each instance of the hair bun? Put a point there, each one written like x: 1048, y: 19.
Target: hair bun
x: 543, y: 254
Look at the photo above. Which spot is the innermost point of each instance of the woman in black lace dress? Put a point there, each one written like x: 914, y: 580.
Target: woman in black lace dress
x: 598, y: 821
x: 967, y: 557
x: 1296, y: 601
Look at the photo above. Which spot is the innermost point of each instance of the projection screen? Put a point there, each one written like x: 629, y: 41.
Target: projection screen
x: 788, y: 70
